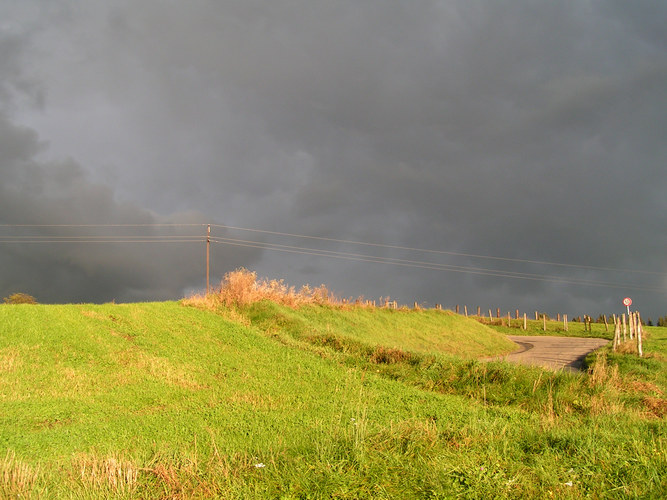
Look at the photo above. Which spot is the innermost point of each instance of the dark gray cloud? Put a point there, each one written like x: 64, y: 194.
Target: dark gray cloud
x: 499, y: 128
x: 60, y: 193
x: 127, y: 265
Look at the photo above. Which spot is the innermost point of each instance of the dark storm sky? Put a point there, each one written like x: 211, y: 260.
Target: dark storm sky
x: 533, y: 131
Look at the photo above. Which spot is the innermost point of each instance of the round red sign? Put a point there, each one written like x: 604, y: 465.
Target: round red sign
x: 627, y: 301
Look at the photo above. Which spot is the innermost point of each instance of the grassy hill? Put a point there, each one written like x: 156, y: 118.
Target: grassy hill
x: 162, y: 400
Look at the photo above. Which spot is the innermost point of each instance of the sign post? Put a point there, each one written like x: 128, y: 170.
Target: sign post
x: 627, y: 302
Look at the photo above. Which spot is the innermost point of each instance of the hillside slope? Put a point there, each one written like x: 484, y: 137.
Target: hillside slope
x: 416, y: 331
x: 159, y: 400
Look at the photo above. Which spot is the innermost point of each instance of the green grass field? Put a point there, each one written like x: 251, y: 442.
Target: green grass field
x: 536, y: 327
x: 163, y: 400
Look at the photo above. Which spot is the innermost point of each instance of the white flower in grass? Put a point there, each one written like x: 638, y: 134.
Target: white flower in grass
x: 259, y: 465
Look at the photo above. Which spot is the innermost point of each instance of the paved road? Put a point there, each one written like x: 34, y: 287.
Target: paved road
x: 565, y: 353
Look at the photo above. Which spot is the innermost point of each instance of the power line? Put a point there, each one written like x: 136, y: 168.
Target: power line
x: 98, y: 237
x: 138, y: 240
x: 104, y: 225
x: 425, y: 250
x: 338, y: 240
x: 427, y: 265
x: 48, y: 239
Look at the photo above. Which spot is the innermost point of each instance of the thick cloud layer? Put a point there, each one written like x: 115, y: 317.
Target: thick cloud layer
x: 156, y: 258
x: 497, y: 128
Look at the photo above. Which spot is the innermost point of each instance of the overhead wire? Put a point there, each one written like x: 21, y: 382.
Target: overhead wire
x: 338, y: 240
x: 200, y: 240
x: 156, y: 224
x: 426, y: 250
x: 426, y: 265
x: 36, y: 239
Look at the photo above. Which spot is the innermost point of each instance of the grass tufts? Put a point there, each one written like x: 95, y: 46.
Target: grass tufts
x: 112, y: 474
x: 389, y: 355
x: 17, y: 479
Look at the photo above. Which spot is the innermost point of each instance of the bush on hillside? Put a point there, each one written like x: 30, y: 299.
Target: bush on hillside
x: 20, y: 298
x: 241, y: 287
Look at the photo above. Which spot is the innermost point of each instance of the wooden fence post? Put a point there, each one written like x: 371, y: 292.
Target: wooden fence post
x: 517, y: 314
x: 544, y: 322
x: 625, y: 329
x: 525, y: 322
x: 639, y: 335
x: 479, y: 311
x: 565, y: 321
x: 606, y: 325
x: 617, y: 335
x: 465, y: 308
x: 457, y: 308
x: 536, y: 316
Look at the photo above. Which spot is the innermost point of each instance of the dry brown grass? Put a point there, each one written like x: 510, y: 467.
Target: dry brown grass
x: 629, y: 347
x: 389, y: 355
x: 655, y: 406
x: 602, y: 374
x: 119, y: 476
x: 242, y: 287
x: 17, y: 479
x: 10, y: 360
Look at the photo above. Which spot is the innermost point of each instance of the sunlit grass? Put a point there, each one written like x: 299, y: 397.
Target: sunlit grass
x: 263, y: 400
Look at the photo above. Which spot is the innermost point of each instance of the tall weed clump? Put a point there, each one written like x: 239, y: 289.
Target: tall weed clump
x: 17, y: 478
x: 241, y: 287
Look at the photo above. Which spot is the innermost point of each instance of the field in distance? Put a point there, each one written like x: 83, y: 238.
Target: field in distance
x: 264, y: 400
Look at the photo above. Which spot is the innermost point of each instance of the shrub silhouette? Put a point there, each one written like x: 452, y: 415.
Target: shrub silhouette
x: 20, y: 298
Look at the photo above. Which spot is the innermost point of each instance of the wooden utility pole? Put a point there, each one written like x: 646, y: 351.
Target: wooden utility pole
x: 208, y: 254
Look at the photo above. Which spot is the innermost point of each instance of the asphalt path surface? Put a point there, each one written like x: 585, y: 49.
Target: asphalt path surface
x: 558, y: 353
